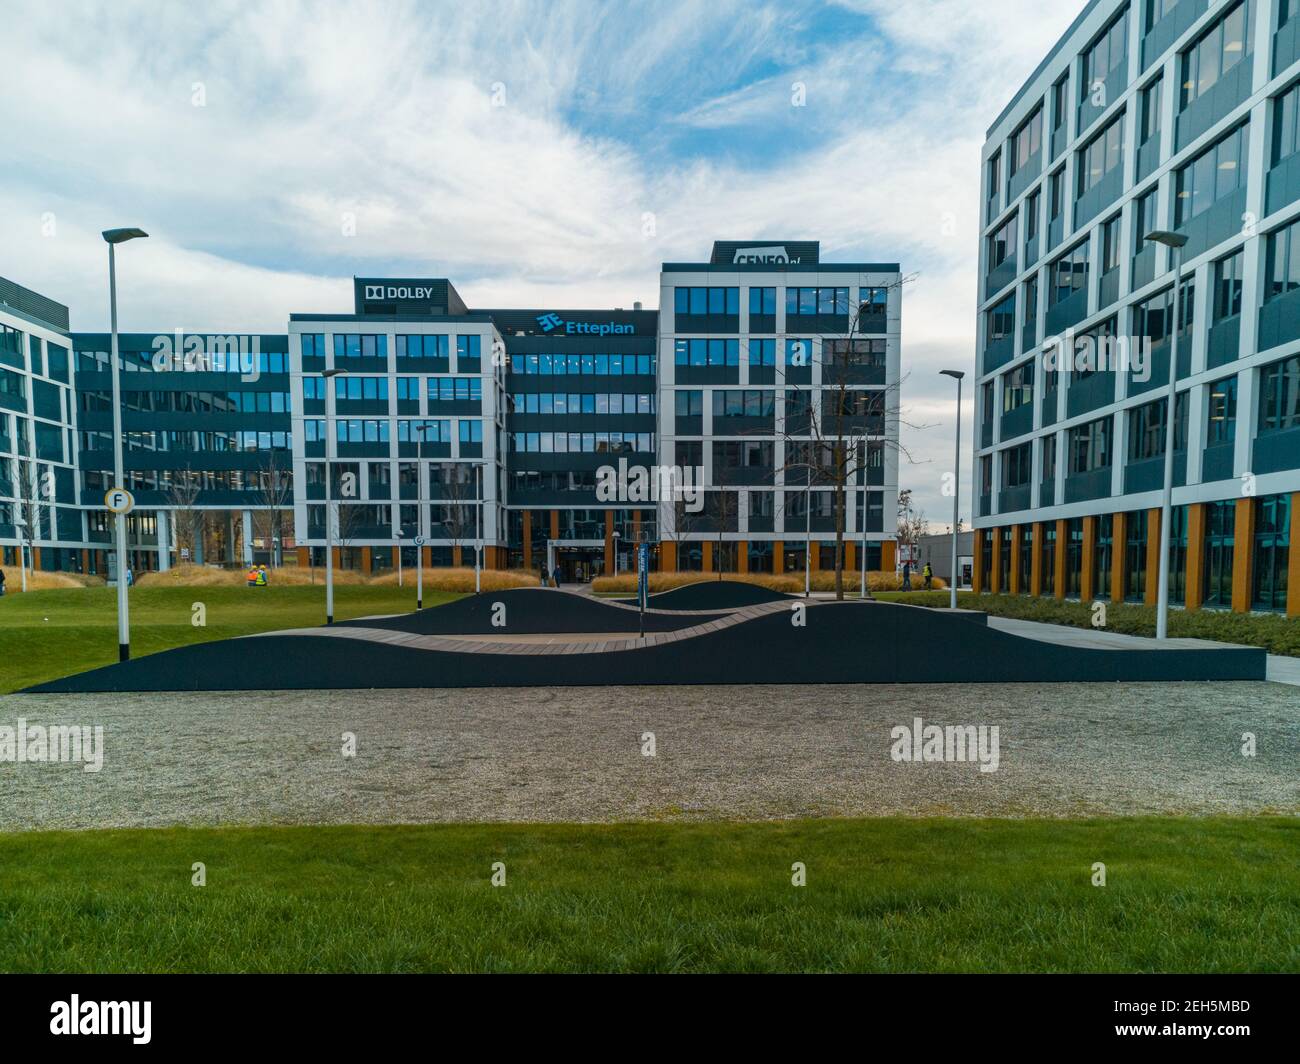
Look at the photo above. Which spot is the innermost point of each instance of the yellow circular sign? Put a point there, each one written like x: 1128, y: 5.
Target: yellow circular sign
x: 119, y: 500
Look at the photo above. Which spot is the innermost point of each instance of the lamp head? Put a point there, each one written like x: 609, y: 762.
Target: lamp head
x: 120, y: 236
x: 955, y: 374
x: 1167, y: 237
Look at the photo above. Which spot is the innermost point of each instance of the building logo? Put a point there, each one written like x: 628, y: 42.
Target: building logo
x: 774, y: 255
x: 398, y: 291
x: 554, y: 323
x: 374, y: 291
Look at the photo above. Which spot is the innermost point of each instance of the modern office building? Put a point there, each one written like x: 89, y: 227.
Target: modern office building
x: 766, y: 390
x: 1174, y: 115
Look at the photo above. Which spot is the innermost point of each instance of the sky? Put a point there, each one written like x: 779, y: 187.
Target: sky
x: 549, y: 153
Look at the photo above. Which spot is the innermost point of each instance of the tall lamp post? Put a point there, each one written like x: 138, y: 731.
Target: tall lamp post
x: 478, y: 528
x: 328, y: 376
x: 420, y: 430
x: 956, y: 375
x: 114, y: 237
x: 1175, y: 242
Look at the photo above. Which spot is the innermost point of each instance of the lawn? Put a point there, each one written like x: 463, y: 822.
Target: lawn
x: 1273, y: 632
x: 48, y: 634
x: 1182, y: 894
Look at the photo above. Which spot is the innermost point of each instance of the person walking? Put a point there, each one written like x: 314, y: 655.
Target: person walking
x: 907, y: 576
x: 928, y: 573
x: 2, y: 583
x: 556, y: 576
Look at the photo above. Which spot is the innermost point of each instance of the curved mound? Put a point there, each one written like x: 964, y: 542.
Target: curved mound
x: 857, y: 643
x: 524, y: 611
x: 715, y: 595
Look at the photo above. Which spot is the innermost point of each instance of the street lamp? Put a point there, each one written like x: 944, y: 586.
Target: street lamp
x: 1175, y: 242
x: 478, y: 528
x: 329, y: 375
x: 398, y: 536
x: 956, y: 375
x: 420, y: 430
x: 114, y: 237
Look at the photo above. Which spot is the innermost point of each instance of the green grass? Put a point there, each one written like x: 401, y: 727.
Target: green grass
x: 898, y: 895
x: 48, y: 634
x: 1275, y: 633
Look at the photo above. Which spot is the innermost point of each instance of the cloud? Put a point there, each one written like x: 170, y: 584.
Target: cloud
x: 545, y: 154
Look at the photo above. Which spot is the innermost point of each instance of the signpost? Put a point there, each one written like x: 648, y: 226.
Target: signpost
x: 642, y: 582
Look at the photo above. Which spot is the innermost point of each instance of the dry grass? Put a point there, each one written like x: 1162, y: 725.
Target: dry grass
x: 788, y: 582
x: 461, y: 578
x: 190, y: 575
x: 39, y: 580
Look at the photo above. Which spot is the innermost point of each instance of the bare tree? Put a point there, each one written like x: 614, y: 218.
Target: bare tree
x: 274, y: 490
x: 912, y: 523
x: 182, y: 493
x: 32, y: 506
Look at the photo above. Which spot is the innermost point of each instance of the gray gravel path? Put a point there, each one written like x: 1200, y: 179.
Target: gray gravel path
x: 574, y: 754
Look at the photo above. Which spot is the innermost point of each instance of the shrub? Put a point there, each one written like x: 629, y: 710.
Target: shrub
x: 790, y: 583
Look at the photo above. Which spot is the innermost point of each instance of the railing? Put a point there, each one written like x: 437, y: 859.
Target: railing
x: 1279, y: 320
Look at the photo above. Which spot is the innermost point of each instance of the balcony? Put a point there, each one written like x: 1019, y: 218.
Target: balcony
x: 1000, y: 276
x: 1170, y: 28
x: 1068, y: 312
x: 1058, y: 141
x: 1047, y: 493
x: 1232, y: 89
x: 1108, y: 291
x: 1099, y: 197
x: 1144, y: 268
x: 1283, y: 187
x: 1017, y: 422
x: 867, y: 323
x: 1286, y: 45
x: 1224, y: 343
x: 985, y: 505
x: 1148, y: 158
x: 1029, y: 336
x: 1031, y: 251
x: 1050, y: 403
x: 1217, y: 462
x: 1214, y: 225
x: 1156, y: 372
x: 1089, y: 393
x: 999, y: 352
x: 986, y: 432
x: 1082, y: 487
x: 1112, y: 89
x: 1279, y: 320
x: 1013, y: 500
x: 1276, y: 451
x: 1149, y: 474
x: 1055, y: 231
x: 1023, y: 178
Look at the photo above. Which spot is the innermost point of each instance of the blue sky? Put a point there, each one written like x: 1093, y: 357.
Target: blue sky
x: 537, y: 153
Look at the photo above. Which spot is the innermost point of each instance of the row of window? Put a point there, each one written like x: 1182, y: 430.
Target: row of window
x: 43, y: 359
x: 562, y: 403
x: 582, y: 442
x: 584, y: 365
x: 220, y: 354
x: 799, y: 301
x: 199, y: 402
x: 376, y: 430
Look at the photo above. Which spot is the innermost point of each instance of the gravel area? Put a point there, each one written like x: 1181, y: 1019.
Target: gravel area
x: 574, y: 754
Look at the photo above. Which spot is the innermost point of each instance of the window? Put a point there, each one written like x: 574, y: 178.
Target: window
x: 1220, y: 532
x: 1090, y: 446
x: 1069, y: 274
x: 1153, y: 318
x: 471, y: 431
x: 872, y: 301
x: 1032, y: 206
x: 436, y: 430
x: 730, y: 403
x: 1279, y: 396
x: 1149, y: 114
x: 1056, y: 195
x: 995, y: 175
x: 468, y: 348
x: 806, y: 301
x: 687, y: 403
x: 1101, y: 156
x: 1106, y: 54
x: 1002, y: 320
x: 762, y: 352
x: 798, y: 353
x: 762, y: 300
x: 1147, y: 429
x: 1018, y: 387
x: 1221, y: 417
x: 707, y: 353
x: 1217, y: 172
x: 430, y: 346
x: 1110, y: 244
x: 356, y: 345
x: 1227, y: 287
x: 1049, y: 461
x: 1017, y: 466
x: 1286, y: 124
x: 1026, y: 143
x: 1272, y: 552
x: 456, y: 389
x: 1060, y: 97
x: 713, y: 301
x: 362, y: 388
x: 1002, y: 244
x: 1218, y: 51
x: 1158, y: 9
x: 867, y: 353
x: 1144, y: 218
x: 1282, y: 266
x: 1029, y: 304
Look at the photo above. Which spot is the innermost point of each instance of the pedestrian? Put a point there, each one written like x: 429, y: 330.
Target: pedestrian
x: 928, y: 573
x: 251, y: 576
x: 907, y: 576
x: 261, y: 576
x: 556, y: 576
x: 2, y: 583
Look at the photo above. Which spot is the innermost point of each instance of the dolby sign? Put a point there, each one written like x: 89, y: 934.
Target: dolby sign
x: 388, y: 296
